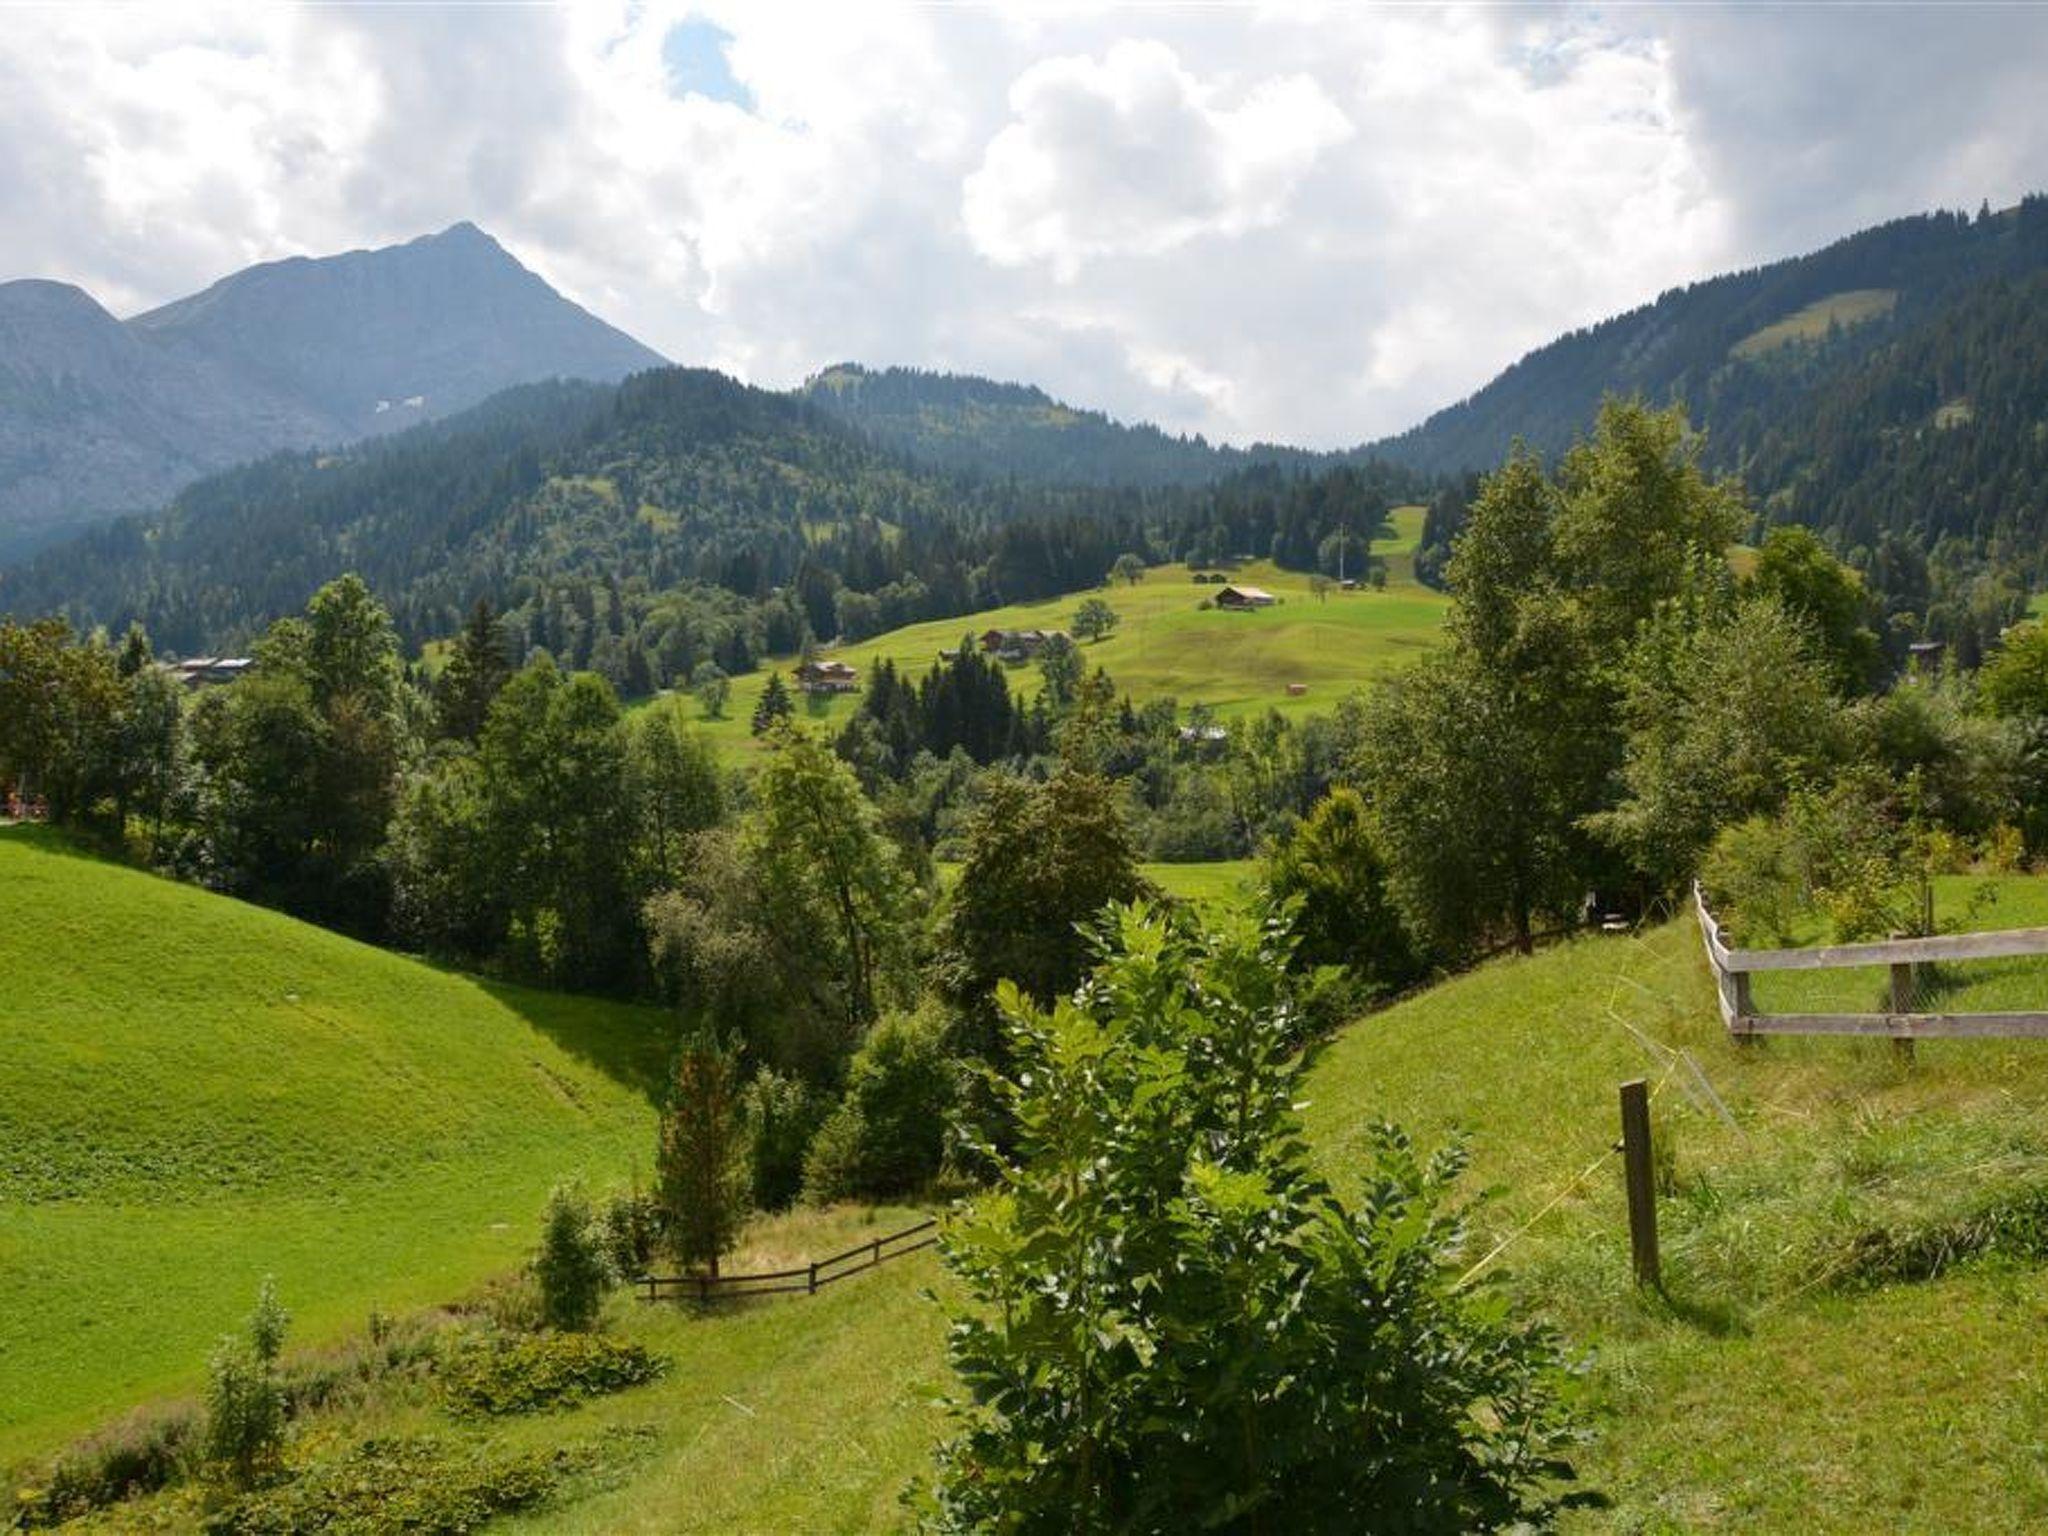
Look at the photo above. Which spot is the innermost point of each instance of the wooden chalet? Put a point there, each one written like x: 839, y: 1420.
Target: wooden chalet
x: 827, y: 677
x: 1240, y: 597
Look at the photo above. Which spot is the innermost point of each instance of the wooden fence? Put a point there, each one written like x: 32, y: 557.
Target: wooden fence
x: 1902, y: 1022
x: 806, y: 1281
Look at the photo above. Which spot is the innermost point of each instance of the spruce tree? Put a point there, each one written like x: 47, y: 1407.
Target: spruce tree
x: 701, y: 1166
x: 774, y: 705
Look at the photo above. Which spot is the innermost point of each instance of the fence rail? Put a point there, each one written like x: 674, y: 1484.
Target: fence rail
x: 1902, y: 1022
x: 807, y: 1281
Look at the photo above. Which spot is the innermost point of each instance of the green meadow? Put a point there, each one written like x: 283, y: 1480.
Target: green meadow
x: 1846, y: 310
x: 1165, y: 645
x: 195, y: 1093
x: 1845, y: 1340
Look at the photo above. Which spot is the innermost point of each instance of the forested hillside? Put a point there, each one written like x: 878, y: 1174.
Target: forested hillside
x: 1893, y: 383
x: 645, y: 529
x: 959, y: 422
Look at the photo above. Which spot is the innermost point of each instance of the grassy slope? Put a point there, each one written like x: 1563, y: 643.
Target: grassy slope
x: 1760, y: 1397
x: 1848, y: 309
x: 1240, y: 663
x: 1765, y: 1395
x: 195, y: 1092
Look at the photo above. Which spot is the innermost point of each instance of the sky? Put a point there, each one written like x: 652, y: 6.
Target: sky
x: 1299, y: 223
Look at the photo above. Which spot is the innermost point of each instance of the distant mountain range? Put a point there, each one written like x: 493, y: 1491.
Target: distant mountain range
x: 100, y: 416
x: 1891, y: 390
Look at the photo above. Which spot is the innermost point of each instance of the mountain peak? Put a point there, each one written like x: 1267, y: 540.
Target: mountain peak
x: 462, y: 235
x: 99, y: 416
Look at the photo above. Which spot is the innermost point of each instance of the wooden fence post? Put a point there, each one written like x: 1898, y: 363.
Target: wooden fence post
x: 1641, y: 1180
x: 1902, y: 1002
x: 814, y: 1279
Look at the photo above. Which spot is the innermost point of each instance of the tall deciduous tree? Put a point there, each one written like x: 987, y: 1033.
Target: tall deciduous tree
x: 60, y: 706
x: 1043, y: 861
x: 1796, y: 569
x: 677, y: 787
x: 1724, y: 720
x: 558, y: 826
x: 1094, y: 619
x: 828, y: 879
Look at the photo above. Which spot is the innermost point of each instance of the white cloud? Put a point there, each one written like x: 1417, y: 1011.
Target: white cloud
x: 1130, y: 154
x: 1300, y: 223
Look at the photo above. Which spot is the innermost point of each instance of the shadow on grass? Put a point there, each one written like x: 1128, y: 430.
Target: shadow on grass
x: 631, y: 1043
x: 1715, y: 1317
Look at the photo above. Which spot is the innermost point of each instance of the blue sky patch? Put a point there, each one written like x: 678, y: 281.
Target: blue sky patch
x: 694, y: 53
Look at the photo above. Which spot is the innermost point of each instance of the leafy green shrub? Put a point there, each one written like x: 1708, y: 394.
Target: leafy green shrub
x: 888, y: 1135
x: 572, y: 1268
x: 631, y: 1223
x: 1174, y: 1323
x: 782, y: 1115
x: 245, y: 1402
x: 401, y: 1484
x: 497, y: 1374
x: 146, y: 1451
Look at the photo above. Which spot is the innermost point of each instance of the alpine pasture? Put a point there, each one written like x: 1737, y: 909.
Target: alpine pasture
x: 1843, y: 1341
x: 200, y: 1093
x: 1167, y: 645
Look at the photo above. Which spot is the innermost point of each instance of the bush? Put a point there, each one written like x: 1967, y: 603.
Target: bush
x: 631, y: 1224
x: 245, y: 1402
x: 1174, y: 1323
x: 572, y: 1268
x: 351, y: 1373
x: 888, y: 1135
x: 142, y: 1453
x: 782, y: 1115
x: 492, y: 1375
x: 401, y: 1484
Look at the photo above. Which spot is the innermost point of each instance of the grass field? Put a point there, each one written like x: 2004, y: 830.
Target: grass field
x: 1763, y: 1394
x: 1793, y: 1375
x: 1238, y: 663
x: 1223, y: 883
x: 1851, y: 308
x: 195, y: 1093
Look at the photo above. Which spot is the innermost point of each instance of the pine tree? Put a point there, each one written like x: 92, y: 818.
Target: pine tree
x: 775, y: 705
x: 701, y: 1166
x: 476, y: 670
